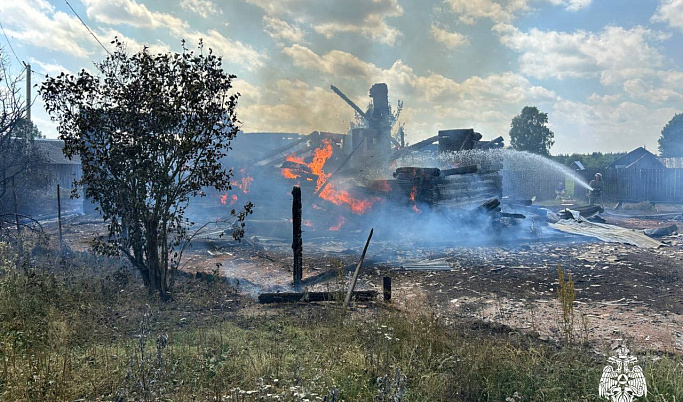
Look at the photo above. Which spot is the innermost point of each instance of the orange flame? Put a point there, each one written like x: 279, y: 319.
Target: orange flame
x: 340, y: 222
x: 340, y: 197
x: 295, y: 159
x: 329, y: 193
x: 289, y: 174
x: 321, y: 156
x: 244, y: 182
x: 413, y: 192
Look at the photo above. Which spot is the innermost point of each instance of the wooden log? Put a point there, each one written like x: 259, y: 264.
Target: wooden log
x: 293, y: 297
x: 514, y: 216
x: 409, y: 171
x: 296, y: 236
x: 459, y: 170
x: 296, y: 166
x: 490, y: 205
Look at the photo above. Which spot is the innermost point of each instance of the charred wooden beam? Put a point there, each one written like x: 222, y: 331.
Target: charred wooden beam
x: 513, y: 216
x: 293, y: 297
x: 491, y: 205
x: 416, y: 172
x: 459, y: 170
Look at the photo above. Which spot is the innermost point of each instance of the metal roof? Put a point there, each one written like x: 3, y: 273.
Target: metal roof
x: 52, y: 149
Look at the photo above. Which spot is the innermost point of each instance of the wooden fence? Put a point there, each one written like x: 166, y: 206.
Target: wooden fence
x: 638, y: 185
x: 628, y: 185
x: 529, y: 184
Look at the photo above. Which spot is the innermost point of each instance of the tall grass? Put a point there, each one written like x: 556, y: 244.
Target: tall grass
x: 81, y: 328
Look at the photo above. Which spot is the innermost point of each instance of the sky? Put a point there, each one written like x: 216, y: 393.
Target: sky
x: 607, y: 72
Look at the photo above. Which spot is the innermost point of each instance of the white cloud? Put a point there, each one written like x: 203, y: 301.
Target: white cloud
x: 204, y: 8
x: 37, y: 23
x: 670, y: 12
x: 133, y: 45
x: 364, y: 17
x: 499, y: 11
x: 576, y: 5
x: 281, y: 30
x: 503, y: 11
x: 572, y: 5
x: 608, y: 99
x: 609, y: 127
x: 639, y: 89
x: 129, y: 12
x: 449, y: 39
x: 231, y: 50
x: 614, y: 54
x: 48, y: 68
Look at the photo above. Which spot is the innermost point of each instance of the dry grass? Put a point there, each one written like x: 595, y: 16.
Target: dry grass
x: 81, y: 328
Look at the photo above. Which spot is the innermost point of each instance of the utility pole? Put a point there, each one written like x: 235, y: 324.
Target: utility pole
x: 28, y: 100
x: 28, y: 91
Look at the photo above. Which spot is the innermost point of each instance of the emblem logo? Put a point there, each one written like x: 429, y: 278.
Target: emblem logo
x: 622, y: 383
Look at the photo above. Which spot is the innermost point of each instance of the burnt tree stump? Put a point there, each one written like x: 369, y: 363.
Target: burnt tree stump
x: 296, y: 238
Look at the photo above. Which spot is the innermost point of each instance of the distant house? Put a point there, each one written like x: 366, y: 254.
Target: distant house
x: 62, y: 169
x: 639, y: 158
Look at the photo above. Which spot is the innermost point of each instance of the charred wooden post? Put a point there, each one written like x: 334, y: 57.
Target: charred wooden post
x: 356, y: 272
x: 293, y: 297
x: 296, y: 239
x: 386, y: 287
x: 59, y: 217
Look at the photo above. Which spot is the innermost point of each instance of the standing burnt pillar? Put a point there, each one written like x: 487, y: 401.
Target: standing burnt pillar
x: 296, y: 238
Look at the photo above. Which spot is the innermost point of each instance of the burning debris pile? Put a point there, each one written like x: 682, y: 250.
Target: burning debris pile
x: 449, y: 182
x: 345, y: 176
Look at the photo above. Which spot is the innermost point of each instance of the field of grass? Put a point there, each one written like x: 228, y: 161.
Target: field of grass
x: 82, y: 328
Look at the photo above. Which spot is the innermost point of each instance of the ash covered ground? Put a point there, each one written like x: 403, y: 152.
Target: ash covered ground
x: 622, y: 291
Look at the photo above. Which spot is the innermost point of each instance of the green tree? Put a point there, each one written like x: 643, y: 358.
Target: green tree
x: 25, y: 128
x: 528, y: 132
x: 150, y: 132
x: 671, y: 140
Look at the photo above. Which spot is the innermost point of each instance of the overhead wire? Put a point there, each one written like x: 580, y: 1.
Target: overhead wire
x: 86, y: 27
x: 9, y: 43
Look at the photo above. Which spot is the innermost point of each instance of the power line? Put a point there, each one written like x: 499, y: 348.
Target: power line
x: 86, y: 27
x: 9, y: 43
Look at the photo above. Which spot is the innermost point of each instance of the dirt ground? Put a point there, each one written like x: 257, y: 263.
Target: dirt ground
x: 622, y: 292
